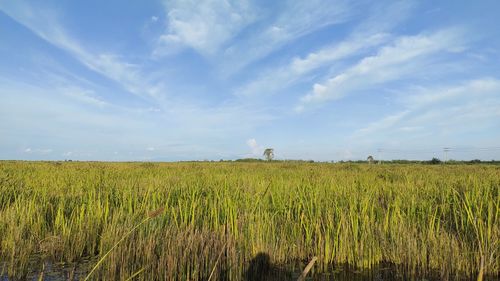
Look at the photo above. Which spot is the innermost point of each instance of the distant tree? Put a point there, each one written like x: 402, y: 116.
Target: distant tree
x: 269, y: 154
x: 435, y: 161
x: 248, y: 160
x: 370, y: 159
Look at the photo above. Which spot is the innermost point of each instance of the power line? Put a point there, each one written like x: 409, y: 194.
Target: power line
x: 475, y: 149
x: 444, y: 150
x: 429, y: 150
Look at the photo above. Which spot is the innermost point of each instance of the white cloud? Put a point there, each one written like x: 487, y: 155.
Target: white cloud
x: 442, y: 106
x: 256, y: 148
x: 203, y: 25
x: 345, y: 49
x: 279, y: 78
x: 42, y: 151
x: 211, y: 27
x: 405, y: 57
x: 191, y: 115
x: 371, y: 32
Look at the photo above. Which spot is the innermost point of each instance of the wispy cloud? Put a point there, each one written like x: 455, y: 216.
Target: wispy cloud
x: 386, y: 122
x: 294, y: 20
x: 188, y: 113
x: 45, y: 25
x: 82, y: 95
x: 277, y: 79
x: 406, y: 56
x: 42, y: 151
x: 212, y: 27
x: 371, y: 32
x: 473, y: 90
x: 441, y: 106
x: 298, y: 18
x: 205, y: 25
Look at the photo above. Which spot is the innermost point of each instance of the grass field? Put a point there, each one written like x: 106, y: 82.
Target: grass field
x: 218, y: 216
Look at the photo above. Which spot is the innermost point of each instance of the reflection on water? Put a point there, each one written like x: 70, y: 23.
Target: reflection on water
x: 260, y: 268
x: 51, y: 272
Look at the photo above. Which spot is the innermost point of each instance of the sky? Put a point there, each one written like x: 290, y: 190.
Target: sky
x: 220, y: 79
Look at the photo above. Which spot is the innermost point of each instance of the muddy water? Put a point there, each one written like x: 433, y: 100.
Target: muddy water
x: 52, y: 272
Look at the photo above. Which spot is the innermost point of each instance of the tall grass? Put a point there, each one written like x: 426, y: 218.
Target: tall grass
x: 218, y: 216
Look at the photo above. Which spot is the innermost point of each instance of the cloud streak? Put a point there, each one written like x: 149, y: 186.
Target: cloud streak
x: 369, y: 34
x: 406, y: 57
x: 45, y: 25
x: 295, y: 19
x: 442, y: 106
x: 275, y: 80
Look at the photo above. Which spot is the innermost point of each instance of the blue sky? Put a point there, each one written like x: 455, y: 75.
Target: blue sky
x: 194, y: 80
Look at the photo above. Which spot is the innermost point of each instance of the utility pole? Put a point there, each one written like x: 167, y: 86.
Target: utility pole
x: 445, y: 150
x: 379, y: 151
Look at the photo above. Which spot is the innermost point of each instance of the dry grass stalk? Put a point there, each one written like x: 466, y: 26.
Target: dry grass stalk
x: 304, y: 273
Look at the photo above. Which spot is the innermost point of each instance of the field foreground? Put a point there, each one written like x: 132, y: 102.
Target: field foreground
x: 219, y: 219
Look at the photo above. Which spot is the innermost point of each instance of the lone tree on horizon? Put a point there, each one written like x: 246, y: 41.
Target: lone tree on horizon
x: 370, y: 159
x: 269, y: 154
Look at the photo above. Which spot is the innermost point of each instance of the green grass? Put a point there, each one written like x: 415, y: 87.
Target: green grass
x: 421, y: 218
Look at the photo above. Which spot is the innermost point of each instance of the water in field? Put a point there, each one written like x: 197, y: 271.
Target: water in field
x: 51, y: 271
x: 259, y: 269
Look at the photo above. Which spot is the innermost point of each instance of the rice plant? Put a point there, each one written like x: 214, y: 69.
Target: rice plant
x: 217, y: 217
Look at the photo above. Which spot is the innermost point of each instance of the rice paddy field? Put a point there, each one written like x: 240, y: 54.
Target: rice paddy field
x: 247, y: 221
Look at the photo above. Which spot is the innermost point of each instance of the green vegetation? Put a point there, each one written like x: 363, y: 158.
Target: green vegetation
x: 269, y: 154
x: 217, y: 216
